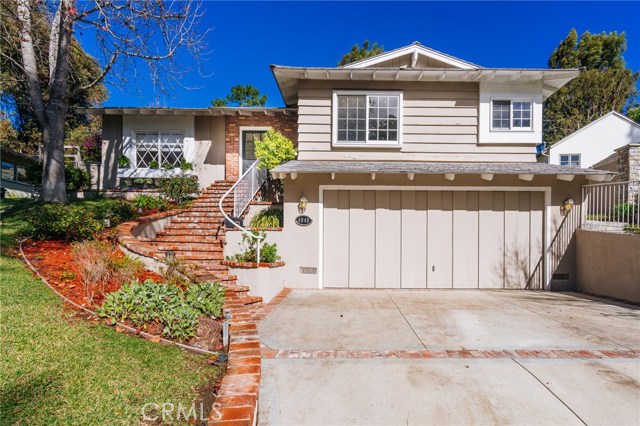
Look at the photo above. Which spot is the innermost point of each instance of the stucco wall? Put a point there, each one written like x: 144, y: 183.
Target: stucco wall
x: 299, y: 246
x: 596, y: 141
x: 204, y: 145
x: 608, y: 264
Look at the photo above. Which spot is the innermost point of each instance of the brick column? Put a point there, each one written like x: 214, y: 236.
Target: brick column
x: 285, y: 124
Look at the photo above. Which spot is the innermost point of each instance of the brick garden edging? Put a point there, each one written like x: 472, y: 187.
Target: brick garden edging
x: 238, y: 393
x: 426, y: 354
x: 251, y: 265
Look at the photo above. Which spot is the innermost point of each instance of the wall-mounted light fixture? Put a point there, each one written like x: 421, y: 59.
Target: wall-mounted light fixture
x: 170, y: 255
x: 302, y: 204
x: 567, y: 205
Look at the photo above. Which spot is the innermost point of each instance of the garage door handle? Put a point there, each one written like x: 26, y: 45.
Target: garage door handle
x: 433, y: 268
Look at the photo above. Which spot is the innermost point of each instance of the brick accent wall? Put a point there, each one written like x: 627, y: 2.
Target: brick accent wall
x: 285, y: 124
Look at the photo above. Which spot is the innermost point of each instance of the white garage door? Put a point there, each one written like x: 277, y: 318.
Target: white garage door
x: 431, y: 239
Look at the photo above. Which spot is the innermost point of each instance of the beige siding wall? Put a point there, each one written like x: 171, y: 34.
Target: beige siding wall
x: 440, y: 123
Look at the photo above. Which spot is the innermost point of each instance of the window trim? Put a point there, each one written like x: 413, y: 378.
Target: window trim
x: 570, y: 155
x: 241, y: 130
x: 377, y: 144
x: 511, y: 100
x: 134, y: 160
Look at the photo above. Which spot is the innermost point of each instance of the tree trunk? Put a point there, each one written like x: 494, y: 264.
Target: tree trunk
x: 53, y: 182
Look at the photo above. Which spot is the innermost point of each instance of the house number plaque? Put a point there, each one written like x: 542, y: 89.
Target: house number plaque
x: 303, y: 220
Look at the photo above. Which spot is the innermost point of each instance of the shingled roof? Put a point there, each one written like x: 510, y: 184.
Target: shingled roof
x: 394, y: 167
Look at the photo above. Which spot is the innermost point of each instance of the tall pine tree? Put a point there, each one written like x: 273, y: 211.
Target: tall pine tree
x: 605, y: 85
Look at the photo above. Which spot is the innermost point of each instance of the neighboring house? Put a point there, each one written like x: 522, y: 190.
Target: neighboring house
x: 595, y: 142
x: 14, y: 174
x: 419, y: 171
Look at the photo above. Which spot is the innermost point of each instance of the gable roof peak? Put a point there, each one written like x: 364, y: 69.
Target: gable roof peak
x: 414, y: 49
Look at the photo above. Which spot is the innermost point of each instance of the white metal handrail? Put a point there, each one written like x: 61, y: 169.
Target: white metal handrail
x: 243, y: 192
x: 611, y: 206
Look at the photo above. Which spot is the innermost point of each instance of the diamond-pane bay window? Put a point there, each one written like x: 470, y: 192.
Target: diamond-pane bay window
x: 159, y: 149
x: 367, y: 118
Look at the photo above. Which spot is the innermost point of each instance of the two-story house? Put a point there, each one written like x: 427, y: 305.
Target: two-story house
x: 415, y: 169
x: 419, y: 171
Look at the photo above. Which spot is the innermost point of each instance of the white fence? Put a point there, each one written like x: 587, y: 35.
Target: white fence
x: 611, y: 206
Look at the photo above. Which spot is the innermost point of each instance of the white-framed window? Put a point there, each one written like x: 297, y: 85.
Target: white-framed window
x: 367, y: 118
x: 159, y: 149
x: 511, y: 114
x: 572, y: 160
x: 8, y: 171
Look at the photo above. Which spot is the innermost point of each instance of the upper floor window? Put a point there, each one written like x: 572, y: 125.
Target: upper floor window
x: 367, y: 118
x: 511, y: 115
x: 155, y: 150
x: 570, y: 160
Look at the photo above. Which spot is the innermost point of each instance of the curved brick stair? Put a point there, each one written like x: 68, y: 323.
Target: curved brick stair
x: 197, y: 236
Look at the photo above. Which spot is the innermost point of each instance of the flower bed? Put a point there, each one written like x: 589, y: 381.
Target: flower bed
x: 185, y: 318
x: 54, y: 261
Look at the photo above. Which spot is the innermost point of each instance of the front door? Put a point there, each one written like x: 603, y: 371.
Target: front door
x: 248, y: 149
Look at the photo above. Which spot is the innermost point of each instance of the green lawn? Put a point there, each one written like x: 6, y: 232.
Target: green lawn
x: 56, y: 369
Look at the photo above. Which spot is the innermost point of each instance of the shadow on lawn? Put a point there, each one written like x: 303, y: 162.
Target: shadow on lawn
x: 38, y: 391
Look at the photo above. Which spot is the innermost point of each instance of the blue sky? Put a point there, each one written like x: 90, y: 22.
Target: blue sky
x: 247, y: 37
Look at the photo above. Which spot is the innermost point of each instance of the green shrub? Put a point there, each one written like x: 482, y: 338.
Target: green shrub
x: 185, y: 166
x: 116, y: 210
x: 274, y: 149
x: 249, y: 253
x: 62, y: 222
x: 176, y: 310
x: 268, y: 218
x: 76, y: 179
x: 207, y: 298
x: 180, y: 188
x: 123, y: 161
x: 150, y: 202
x: 153, y: 164
x: 624, y: 211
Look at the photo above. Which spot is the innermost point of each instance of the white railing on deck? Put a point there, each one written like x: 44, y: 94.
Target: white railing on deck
x: 611, y: 206
x: 243, y: 192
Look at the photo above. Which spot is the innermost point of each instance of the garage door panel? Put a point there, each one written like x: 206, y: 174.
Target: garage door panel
x: 536, y: 230
x: 414, y: 239
x: 336, y: 238
x: 465, y: 239
x: 439, y: 246
x: 491, y: 240
x: 516, y: 239
x: 362, y: 234
x: 388, y: 239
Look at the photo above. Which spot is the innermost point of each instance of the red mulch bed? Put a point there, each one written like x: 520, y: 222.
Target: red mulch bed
x: 54, y: 261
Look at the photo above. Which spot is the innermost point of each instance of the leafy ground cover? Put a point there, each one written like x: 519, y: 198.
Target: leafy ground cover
x: 58, y: 369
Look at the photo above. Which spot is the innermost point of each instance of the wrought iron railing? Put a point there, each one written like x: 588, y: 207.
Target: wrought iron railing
x: 243, y: 192
x: 612, y: 207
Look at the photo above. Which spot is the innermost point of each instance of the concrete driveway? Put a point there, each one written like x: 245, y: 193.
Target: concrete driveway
x: 407, y: 357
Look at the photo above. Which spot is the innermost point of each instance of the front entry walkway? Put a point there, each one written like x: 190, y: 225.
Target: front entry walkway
x: 337, y: 357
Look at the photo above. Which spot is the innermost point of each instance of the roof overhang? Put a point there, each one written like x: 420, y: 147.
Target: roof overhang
x: 288, y: 78
x: 211, y: 111
x: 525, y: 171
